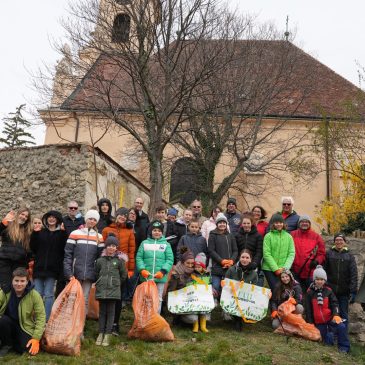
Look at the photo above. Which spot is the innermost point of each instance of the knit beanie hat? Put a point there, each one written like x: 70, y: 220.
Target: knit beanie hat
x: 172, y: 211
x: 92, y: 213
x: 111, y: 240
x: 185, y: 254
x: 122, y: 211
x: 232, y: 201
x: 288, y: 272
x: 277, y: 218
x: 201, y: 260
x: 304, y: 217
x: 221, y: 218
x: 339, y: 235
x: 157, y: 225
x: 319, y: 273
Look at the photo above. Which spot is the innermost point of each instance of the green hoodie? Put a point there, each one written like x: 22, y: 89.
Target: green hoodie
x: 153, y: 256
x: 279, y: 251
x: 32, y: 315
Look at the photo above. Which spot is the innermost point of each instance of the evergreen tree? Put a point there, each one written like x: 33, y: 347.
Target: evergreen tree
x: 14, y: 134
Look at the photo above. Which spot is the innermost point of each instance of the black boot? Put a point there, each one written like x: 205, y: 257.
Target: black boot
x: 4, y: 350
x: 238, y: 325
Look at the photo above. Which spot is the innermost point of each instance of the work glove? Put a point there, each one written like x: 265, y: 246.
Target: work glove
x: 224, y: 263
x: 274, y: 314
x: 337, y: 319
x: 159, y: 275
x: 34, y: 346
x: 8, y: 218
x: 230, y: 263
x: 278, y: 272
x: 352, y: 297
x: 313, y: 264
x: 292, y: 301
x: 145, y: 273
x: 223, y: 283
x: 130, y: 273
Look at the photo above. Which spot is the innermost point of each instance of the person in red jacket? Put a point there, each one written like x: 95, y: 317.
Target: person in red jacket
x: 310, y: 251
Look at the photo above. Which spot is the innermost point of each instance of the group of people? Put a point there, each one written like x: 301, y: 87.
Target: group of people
x: 118, y: 252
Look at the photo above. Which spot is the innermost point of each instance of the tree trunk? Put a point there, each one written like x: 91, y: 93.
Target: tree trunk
x: 156, y: 183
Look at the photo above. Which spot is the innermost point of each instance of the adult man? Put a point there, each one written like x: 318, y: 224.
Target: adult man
x: 196, y: 207
x: 290, y: 216
x: 310, y: 251
x: 178, y: 229
x: 22, y: 316
x: 142, y: 222
x: 73, y: 220
x: 233, y: 217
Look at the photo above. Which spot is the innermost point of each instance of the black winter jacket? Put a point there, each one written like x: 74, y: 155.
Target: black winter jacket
x: 48, y: 248
x: 341, y: 271
x: 250, y: 240
x: 72, y: 224
x: 178, y: 229
x: 105, y: 219
x: 247, y: 274
x: 140, y: 228
x: 221, y: 247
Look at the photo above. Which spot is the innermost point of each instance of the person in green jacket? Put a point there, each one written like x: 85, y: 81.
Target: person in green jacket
x: 22, y: 316
x: 110, y: 274
x: 155, y: 258
x: 278, y: 251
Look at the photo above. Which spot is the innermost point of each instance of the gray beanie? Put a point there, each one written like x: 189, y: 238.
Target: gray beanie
x: 111, y: 240
x: 319, y: 273
x: 221, y: 218
x: 122, y: 211
x: 305, y: 217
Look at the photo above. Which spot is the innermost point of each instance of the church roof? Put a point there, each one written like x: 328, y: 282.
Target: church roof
x: 270, y: 78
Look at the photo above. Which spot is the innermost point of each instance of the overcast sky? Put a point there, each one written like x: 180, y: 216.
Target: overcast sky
x: 331, y: 31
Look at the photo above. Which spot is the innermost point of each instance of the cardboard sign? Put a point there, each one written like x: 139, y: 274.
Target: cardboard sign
x: 197, y: 298
x: 245, y: 300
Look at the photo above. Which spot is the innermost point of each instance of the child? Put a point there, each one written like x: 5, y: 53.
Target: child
x: 341, y: 269
x: 37, y: 224
x: 155, y: 258
x: 242, y: 271
x: 322, y: 310
x: 172, y: 215
x: 193, y: 240
x: 22, y: 316
x: 278, y: 251
x: 222, y: 249
x: 110, y: 274
x: 285, y: 289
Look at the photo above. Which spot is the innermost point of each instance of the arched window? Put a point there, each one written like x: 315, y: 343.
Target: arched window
x: 186, y: 181
x: 121, y: 28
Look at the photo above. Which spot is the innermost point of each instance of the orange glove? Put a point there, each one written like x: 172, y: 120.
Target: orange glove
x: 145, y: 273
x: 34, y: 346
x: 274, y: 314
x: 230, y: 262
x: 278, y: 272
x: 223, y: 283
x: 292, y: 301
x: 337, y: 319
x: 8, y: 218
x: 158, y: 275
x: 130, y: 273
x: 224, y: 263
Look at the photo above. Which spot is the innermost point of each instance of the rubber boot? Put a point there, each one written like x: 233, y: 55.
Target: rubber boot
x: 203, y: 323
x: 99, y: 340
x: 196, y: 326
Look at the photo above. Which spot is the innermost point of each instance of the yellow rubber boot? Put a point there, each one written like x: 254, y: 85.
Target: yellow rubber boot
x: 203, y: 323
x: 196, y: 326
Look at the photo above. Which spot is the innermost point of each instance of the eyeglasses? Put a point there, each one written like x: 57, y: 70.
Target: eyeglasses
x: 287, y: 204
x: 73, y: 208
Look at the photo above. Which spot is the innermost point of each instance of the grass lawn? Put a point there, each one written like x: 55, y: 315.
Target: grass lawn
x: 255, y: 345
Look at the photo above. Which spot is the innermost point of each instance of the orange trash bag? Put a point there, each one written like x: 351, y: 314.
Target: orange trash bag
x: 294, y: 324
x: 66, y: 323
x: 148, y: 324
x: 93, y: 307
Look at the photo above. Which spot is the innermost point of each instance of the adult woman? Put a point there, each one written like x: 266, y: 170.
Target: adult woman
x: 259, y: 216
x: 209, y: 225
x: 278, y: 251
x: 15, y: 229
x: 48, y: 247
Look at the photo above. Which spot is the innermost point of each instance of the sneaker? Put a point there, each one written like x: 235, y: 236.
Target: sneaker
x: 4, y: 350
x: 106, y: 340
x: 99, y: 340
x: 115, y: 330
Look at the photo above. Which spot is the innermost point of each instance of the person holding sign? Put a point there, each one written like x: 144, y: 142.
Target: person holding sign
x: 278, y: 251
x: 222, y: 249
x: 244, y: 271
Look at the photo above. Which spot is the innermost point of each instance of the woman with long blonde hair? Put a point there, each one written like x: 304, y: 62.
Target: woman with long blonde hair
x: 15, y: 230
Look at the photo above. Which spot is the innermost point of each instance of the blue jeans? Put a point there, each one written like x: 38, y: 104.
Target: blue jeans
x: 216, y: 283
x: 45, y: 287
x: 271, y: 278
x: 343, y: 304
x: 328, y: 332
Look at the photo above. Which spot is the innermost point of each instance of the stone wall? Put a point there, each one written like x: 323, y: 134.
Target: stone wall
x: 47, y: 177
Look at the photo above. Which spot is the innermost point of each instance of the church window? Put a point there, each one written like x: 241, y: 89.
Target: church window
x: 121, y: 28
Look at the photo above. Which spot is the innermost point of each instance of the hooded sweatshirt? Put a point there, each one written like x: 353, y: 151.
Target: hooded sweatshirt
x: 105, y: 219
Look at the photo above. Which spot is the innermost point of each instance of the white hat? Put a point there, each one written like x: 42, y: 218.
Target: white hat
x: 221, y: 218
x: 92, y: 213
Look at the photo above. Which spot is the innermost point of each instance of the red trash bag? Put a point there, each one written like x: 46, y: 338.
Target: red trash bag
x: 294, y: 324
x: 93, y: 307
x: 148, y: 325
x: 66, y: 323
